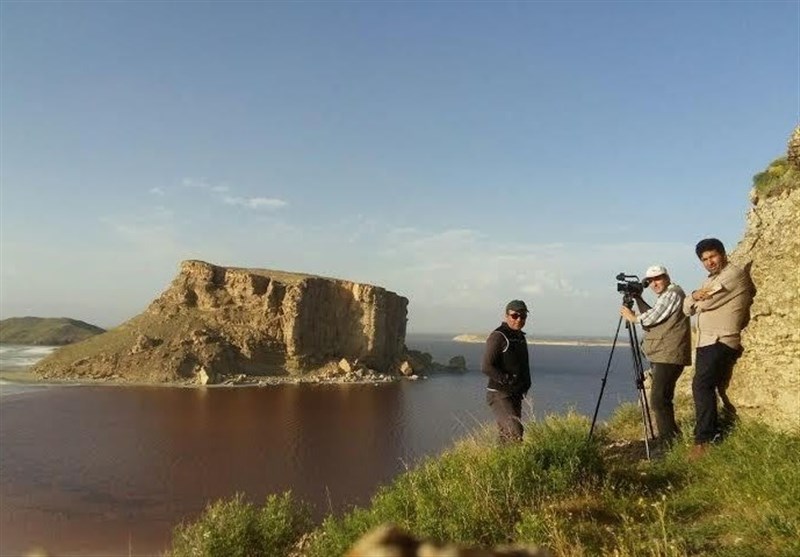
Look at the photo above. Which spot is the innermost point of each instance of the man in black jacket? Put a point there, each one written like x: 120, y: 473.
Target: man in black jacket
x: 505, y: 362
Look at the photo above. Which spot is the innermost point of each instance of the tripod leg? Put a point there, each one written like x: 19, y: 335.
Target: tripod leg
x: 638, y: 373
x: 644, y: 424
x: 605, y: 377
x: 639, y: 370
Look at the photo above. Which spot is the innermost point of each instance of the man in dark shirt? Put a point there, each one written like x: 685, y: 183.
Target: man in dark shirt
x: 505, y: 362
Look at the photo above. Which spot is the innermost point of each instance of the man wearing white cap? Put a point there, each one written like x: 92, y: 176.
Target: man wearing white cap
x: 667, y: 344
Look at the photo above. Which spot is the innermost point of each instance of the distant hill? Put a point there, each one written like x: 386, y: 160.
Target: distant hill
x: 45, y: 331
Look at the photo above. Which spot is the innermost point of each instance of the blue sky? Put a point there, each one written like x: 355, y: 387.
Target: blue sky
x: 459, y: 153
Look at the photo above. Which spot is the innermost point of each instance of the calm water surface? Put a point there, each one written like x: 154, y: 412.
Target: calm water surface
x: 111, y: 470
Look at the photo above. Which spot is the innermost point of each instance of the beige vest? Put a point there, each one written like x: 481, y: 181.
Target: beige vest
x: 670, y: 342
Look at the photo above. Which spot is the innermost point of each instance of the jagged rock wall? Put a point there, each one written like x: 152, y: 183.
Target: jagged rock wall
x: 766, y: 379
x: 214, y: 321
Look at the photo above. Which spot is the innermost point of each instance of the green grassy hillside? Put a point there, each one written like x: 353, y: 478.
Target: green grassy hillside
x: 556, y: 490
x: 45, y: 331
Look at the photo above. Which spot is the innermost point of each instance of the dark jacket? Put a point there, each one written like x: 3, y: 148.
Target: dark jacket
x: 505, y: 361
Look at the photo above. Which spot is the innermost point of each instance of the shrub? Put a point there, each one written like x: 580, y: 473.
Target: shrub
x: 779, y: 176
x: 236, y: 528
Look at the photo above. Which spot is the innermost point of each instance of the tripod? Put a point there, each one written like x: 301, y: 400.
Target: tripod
x: 638, y: 375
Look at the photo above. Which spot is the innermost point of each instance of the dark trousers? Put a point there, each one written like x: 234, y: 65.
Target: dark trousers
x: 507, y: 410
x: 662, y: 392
x: 713, y: 370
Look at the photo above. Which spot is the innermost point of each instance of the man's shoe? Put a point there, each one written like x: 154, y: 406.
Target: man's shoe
x: 697, y: 451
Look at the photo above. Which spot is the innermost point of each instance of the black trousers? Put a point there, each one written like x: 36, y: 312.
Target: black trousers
x: 713, y: 370
x: 662, y: 393
x: 507, y: 410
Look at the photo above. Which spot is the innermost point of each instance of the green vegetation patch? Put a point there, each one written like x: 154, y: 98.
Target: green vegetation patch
x: 236, y: 528
x: 779, y: 176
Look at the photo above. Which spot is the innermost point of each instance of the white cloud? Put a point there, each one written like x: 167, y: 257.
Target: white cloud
x: 193, y: 183
x: 255, y: 202
x: 457, y: 279
x: 532, y: 289
x: 153, y: 234
x: 222, y: 192
x: 157, y: 191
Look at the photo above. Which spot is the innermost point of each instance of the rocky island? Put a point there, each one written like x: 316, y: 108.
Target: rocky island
x: 218, y: 324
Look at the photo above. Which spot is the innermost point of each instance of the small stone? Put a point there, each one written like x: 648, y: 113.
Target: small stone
x: 345, y: 366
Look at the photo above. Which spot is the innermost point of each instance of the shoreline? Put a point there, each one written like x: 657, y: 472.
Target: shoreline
x: 26, y: 377
x: 480, y: 339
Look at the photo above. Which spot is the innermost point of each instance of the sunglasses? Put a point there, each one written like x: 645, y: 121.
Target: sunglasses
x: 516, y: 316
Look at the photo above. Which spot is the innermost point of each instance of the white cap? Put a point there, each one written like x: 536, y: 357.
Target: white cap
x: 655, y: 271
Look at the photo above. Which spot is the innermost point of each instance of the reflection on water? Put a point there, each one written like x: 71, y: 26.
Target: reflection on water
x: 141, y: 459
x: 110, y: 470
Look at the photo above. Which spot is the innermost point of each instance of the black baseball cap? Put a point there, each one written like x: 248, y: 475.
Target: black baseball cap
x: 517, y: 305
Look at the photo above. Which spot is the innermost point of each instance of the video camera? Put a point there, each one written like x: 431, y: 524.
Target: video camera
x: 630, y: 285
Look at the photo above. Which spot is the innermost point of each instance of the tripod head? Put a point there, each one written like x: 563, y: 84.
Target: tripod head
x: 627, y: 300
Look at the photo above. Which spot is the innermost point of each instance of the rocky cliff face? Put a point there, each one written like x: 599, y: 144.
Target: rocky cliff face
x: 216, y: 321
x: 766, y: 380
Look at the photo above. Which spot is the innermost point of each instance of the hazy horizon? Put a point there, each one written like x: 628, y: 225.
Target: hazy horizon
x: 448, y: 334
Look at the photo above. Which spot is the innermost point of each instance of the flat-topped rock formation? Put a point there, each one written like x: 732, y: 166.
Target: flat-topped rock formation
x: 215, y: 321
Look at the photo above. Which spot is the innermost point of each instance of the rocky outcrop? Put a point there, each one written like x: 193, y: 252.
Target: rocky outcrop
x: 766, y: 380
x: 215, y: 322
x: 422, y: 362
x: 793, y: 148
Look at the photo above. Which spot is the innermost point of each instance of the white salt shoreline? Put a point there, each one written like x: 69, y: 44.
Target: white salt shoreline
x: 538, y: 341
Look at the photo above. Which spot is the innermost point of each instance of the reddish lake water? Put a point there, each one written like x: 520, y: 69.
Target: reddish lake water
x: 111, y: 470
